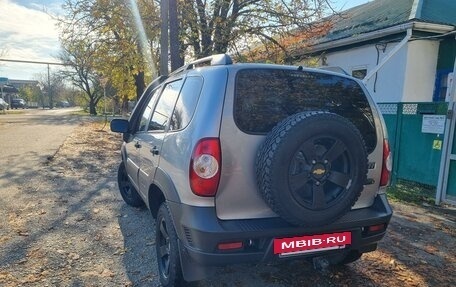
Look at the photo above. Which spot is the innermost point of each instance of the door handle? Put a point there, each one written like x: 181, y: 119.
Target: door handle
x: 154, y: 150
x: 137, y: 144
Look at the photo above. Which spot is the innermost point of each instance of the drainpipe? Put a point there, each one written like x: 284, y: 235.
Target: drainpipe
x: 390, y: 54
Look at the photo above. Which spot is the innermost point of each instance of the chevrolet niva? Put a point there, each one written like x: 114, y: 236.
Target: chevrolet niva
x: 253, y: 163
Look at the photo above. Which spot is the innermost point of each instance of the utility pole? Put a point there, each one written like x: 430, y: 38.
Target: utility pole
x: 174, y: 43
x: 48, y: 74
x: 51, y: 104
x: 164, y: 43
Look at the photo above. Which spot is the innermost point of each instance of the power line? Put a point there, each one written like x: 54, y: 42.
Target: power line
x: 33, y: 62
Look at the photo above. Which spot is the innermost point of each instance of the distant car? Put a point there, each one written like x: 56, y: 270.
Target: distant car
x: 3, y: 104
x: 63, y: 104
x: 18, y: 104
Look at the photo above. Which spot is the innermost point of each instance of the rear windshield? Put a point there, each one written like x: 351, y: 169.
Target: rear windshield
x: 264, y: 97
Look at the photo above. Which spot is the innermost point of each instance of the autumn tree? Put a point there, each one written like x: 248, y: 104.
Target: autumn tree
x: 79, y: 55
x: 124, y: 34
x: 30, y: 93
x: 218, y: 26
x: 52, y: 85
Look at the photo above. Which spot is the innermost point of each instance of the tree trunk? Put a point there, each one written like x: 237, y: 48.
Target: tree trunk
x: 140, y: 85
x: 92, y: 108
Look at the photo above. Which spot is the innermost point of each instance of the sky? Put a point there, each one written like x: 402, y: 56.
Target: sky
x: 28, y: 32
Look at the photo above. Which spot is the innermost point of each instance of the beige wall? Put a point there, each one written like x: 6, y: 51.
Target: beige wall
x: 421, y: 68
x: 409, y: 76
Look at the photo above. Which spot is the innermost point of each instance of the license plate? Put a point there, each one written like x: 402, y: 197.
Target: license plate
x: 311, y: 243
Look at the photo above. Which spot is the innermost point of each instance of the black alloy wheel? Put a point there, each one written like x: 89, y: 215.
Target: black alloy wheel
x: 167, y: 249
x: 127, y: 190
x: 312, y: 168
x: 320, y: 171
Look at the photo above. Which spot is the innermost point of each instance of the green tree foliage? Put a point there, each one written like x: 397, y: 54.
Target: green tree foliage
x: 113, y: 39
x: 30, y: 93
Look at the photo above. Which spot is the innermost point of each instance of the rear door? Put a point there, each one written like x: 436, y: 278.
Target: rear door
x: 152, y: 140
x: 261, y: 98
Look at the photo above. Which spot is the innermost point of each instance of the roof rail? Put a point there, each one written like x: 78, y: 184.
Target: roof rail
x: 214, y: 60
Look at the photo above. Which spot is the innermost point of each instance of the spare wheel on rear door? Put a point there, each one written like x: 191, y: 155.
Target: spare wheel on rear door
x: 312, y: 167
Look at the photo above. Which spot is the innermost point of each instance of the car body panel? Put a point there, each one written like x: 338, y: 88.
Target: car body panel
x: 149, y: 154
x: 3, y: 104
x: 133, y: 160
x: 238, y: 196
x: 178, y: 145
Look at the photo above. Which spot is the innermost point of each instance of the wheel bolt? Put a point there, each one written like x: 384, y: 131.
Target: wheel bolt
x: 326, y: 161
x: 317, y: 183
x: 314, y: 161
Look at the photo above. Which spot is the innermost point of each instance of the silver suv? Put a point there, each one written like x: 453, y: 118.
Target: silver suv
x: 255, y: 162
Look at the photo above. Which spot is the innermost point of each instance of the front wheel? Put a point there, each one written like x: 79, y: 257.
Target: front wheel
x: 127, y: 190
x: 168, y: 260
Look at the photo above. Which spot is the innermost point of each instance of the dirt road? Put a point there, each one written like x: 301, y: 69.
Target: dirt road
x: 67, y: 226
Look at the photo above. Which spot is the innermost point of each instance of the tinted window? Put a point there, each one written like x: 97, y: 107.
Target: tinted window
x: 186, y: 104
x: 264, y: 97
x: 147, y: 112
x: 165, y: 106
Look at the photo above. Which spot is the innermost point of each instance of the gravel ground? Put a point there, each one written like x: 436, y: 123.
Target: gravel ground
x: 70, y: 227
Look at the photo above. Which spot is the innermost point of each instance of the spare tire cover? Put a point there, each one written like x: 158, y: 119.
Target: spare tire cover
x: 312, y: 167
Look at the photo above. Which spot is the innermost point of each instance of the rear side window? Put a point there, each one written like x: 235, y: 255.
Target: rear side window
x: 264, y: 97
x: 163, y: 110
x: 186, y: 104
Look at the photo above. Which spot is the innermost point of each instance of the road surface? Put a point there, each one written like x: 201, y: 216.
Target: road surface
x: 28, y: 138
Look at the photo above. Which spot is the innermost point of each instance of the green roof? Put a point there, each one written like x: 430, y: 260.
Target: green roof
x: 381, y: 14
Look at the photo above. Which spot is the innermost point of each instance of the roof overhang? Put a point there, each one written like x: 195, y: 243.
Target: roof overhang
x: 402, y: 28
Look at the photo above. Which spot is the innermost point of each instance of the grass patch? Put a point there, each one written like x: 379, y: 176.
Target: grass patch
x: 412, y: 192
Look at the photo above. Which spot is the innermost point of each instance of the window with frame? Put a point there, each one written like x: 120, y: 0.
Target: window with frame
x: 264, y: 97
x: 186, y: 103
x: 441, y: 85
x: 165, y: 106
x: 148, y: 111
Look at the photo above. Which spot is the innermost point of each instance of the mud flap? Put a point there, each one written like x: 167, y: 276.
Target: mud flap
x: 192, y: 270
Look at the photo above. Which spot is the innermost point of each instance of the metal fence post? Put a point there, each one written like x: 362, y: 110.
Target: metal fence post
x: 397, y: 144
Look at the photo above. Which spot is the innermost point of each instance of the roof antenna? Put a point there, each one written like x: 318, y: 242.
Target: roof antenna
x: 300, y: 68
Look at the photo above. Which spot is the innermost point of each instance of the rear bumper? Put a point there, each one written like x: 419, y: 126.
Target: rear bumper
x: 200, y: 232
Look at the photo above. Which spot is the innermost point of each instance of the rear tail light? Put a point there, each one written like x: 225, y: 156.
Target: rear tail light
x: 374, y: 229
x: 230, y: 245
x: 377, y: 228
x: 205, y: 167
x: 387, y: 164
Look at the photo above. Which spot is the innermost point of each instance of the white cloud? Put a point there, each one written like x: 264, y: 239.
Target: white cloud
x: 26, y: 34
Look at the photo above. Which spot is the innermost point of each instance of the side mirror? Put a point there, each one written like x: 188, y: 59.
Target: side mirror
x: 119, y: 126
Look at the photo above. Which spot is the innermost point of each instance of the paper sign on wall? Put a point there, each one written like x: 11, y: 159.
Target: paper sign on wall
x: 433, y: 124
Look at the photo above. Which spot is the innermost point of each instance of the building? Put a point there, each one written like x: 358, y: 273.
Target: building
x: 10, y: 88
x: 415, y: 38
